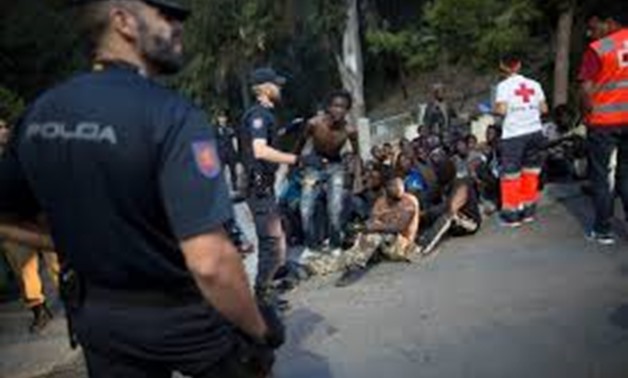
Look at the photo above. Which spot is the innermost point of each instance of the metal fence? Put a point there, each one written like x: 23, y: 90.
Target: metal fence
x: 393, y: 128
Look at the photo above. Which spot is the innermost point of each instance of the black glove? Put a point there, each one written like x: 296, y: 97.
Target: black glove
x: 259, y: 355
x: 257, y: 358
x: 276, y: 335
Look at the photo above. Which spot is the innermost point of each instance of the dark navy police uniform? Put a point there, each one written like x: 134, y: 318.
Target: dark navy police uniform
x: 124, y: 169
x: 227, y: 152
x: 259, y: 122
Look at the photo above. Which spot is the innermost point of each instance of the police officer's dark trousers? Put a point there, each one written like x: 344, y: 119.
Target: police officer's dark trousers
x: 154, y: 338
x: 271, y: 239
x: 601, y: 144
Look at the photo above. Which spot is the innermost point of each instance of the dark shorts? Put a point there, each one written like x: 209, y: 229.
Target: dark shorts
x: 524, y: 152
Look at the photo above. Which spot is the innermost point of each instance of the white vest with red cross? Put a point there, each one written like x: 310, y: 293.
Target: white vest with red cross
x: 523, y: 98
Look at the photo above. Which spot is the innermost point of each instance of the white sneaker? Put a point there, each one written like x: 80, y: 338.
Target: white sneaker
x: 308, y: 254
x: 602, y: 238
x: 336, y: 252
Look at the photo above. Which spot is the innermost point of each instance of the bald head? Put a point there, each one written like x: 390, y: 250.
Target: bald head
x: 395, y: 189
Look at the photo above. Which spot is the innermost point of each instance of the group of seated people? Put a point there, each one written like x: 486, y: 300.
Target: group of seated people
x: 401, y: 203
x: 407, y: 198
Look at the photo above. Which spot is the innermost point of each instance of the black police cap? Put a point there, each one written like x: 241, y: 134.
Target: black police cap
x: 266, y: 75
x: 172, y: 8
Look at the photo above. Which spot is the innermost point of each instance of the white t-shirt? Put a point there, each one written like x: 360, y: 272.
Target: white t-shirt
x: 523, y: 98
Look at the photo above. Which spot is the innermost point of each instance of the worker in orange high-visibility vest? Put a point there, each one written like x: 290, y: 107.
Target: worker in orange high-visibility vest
x: 521, y: 101
x: 604, y: 87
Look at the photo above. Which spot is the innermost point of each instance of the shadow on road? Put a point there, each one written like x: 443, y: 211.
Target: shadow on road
x: 572, y: 198
x: 296, y: 360
x: 619, y: 317
x: 579, y: 204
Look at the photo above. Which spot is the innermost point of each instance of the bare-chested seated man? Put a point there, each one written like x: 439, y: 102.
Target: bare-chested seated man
x: 324, y: 170
x: 390, y: 231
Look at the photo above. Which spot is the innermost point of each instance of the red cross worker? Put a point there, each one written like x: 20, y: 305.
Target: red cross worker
x: 521, y: 102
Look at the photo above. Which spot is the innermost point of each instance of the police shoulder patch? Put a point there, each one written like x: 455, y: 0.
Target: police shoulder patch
x: 206, y: 158
x: 258, y: 123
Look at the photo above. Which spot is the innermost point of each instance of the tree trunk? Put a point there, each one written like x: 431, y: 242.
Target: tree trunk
x: 563, y: 48
x: 289, y: 17
x: 245, y: 90
x: 403, y: 79
x: 350, y: 64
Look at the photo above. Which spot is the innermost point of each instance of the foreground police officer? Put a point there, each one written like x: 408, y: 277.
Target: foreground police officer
x: 128, y: 175
x: 261, y: 159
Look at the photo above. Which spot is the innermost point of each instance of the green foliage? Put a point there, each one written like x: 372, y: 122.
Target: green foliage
x: 412, y: 49
x: 226, y: 37
x: 37, y: 46
x: 11, y: 105
x: 229, y: 38
x: 478, y: 31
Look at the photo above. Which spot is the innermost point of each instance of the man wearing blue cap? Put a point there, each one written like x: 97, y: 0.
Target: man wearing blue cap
x: 128, y: 175
x: 261, y: 159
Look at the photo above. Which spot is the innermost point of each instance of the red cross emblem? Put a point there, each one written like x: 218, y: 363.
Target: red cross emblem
x: 525, y: 93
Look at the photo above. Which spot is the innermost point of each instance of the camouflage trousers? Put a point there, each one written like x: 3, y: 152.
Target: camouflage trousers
x: 392, y: 247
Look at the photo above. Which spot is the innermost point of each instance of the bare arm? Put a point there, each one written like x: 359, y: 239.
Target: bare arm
x: 29, y: 232
x: 544, y: 108
x: 398, y: 225
x: 263, y: 151
x: 459, y: 199
x: 357, y: 165
x: 25, y: 235
x: 354, y: 139
x: 218, y: 271
x: 500, y: 108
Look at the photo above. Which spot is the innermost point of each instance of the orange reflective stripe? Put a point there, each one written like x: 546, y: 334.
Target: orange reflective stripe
x: 511, y: 194
x: 611, y: 108
x: 612, y: 86
x: 530, y: 187
x: 604, y: 46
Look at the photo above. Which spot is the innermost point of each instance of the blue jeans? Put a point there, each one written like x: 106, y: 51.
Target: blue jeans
x: 601, y: 144
x: 316, y: 182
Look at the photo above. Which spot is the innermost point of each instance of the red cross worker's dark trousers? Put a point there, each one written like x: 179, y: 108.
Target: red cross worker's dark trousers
x: 521, y: 159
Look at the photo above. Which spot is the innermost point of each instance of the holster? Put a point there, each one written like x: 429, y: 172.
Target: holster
x: 261, y: 184
x: 72, y: 293
x: 235, y: 233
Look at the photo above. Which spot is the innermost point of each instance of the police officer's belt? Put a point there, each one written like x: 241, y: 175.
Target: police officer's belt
x: 147, y: 298
x: 261, y: 184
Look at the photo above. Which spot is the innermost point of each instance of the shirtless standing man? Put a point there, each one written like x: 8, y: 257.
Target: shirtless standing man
x: 324, y: 171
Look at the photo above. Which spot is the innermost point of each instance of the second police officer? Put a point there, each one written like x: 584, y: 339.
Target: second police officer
x: 261, y: 159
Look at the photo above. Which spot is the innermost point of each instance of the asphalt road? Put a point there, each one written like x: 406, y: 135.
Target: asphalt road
x: 535, y: 302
